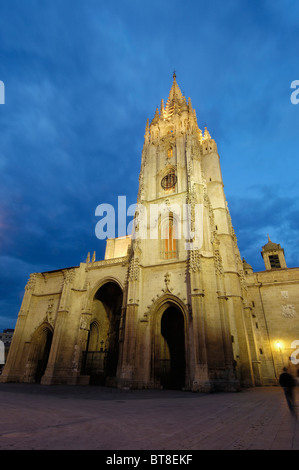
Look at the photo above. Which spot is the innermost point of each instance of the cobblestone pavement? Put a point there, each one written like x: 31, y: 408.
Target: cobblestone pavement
x: 89, y: 418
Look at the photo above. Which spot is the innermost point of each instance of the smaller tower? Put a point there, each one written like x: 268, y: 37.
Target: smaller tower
x: 273, y: 255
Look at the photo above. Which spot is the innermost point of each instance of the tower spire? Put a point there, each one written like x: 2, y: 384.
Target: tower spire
x: 175, y: 98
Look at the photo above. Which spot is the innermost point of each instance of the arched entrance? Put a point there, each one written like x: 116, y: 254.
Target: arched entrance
x: 100, y: 358
x: 172, y: 363
x: 42, y: 353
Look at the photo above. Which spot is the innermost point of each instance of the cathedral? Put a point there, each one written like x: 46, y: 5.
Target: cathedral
x: 172, y: 305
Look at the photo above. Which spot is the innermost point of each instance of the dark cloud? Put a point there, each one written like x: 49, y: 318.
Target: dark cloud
x: 266, y: 212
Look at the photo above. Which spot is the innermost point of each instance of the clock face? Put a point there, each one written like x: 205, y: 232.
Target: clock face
x: 169, y: 180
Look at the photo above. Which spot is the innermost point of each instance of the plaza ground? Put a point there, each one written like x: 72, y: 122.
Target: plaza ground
x: 96, y: 418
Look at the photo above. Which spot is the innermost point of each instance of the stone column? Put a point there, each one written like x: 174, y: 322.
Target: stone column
x: 256, y: 363
x: 200, y: 374
x: 244, y: 366
x: 228, y: 355
x: 57, y: 370
x: 226, y: 337
x: 129, y: 328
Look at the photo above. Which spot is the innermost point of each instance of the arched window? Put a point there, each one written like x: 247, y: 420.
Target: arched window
x: 169, y: 237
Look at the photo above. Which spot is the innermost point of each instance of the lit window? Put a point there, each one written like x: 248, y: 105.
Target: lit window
x: 169, y: 238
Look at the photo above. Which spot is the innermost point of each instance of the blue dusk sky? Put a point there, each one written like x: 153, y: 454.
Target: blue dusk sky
x: 81, y: 78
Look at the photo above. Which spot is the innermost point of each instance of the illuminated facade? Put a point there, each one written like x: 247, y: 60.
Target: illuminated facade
x: 168, y: 307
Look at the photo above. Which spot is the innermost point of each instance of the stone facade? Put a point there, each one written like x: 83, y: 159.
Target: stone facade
x: 172, y: 305
x: 274, y: 306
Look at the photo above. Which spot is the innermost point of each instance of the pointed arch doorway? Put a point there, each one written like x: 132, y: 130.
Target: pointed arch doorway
x: 170, y: 363
x: 42, y: 353
x: 100, y: 359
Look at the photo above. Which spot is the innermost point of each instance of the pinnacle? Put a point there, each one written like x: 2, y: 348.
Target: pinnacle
x: 175, y: 96
x: 206, y: 134
x: 176, y: 104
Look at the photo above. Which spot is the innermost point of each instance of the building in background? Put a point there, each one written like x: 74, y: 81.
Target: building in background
x: 5, y: 342
x: 173, y: 305
x: 274, y: 298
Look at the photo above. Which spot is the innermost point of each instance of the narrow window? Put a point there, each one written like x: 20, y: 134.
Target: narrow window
x: 169, y: 238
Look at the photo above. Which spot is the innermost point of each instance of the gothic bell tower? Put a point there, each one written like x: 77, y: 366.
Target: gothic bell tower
x: 185, y: 265
x: 273, y: 255
x: 172, y: 183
